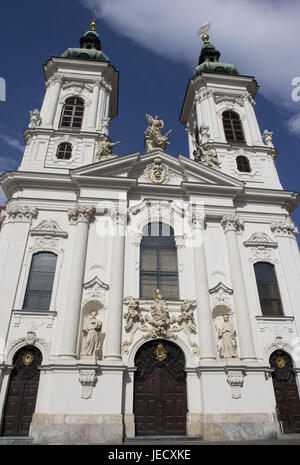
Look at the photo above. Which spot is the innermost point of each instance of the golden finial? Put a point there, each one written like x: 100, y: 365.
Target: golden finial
x: 203, y: 31
x: 158, y: 295
x: 93, y: 24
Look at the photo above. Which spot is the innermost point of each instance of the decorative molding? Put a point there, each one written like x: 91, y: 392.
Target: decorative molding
x: 48, y: 228
x: 95, y: 290
x: 220, y: 295
x: 81, y: 213
x: 88, y: 380
x: 278, y: 343
x: 235, y: 379
x: 53, y: 79
x: 36, y: 318
x: 260, y: 239
x: 29, y: 339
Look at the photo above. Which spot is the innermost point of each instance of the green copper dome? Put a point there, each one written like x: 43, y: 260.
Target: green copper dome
x: 90, y: 48
x: 209, y: 62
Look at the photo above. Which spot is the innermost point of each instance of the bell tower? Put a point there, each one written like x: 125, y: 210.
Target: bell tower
x: 219, y: 116
x: 80, y: 101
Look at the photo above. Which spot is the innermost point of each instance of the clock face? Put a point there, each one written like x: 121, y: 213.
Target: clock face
x: 27, y: 358
x: 280, y: 361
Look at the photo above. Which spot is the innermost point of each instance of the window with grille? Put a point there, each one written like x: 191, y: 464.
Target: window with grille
x: 64, y: 151
x: 268, y: 291
x: 233, y: 127
x: 159, y: 268
x: 40, y: 281
x: 72, y: 113
x: 243, y: 164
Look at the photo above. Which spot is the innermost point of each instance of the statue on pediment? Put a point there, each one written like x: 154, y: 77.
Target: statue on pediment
x: 154, y: 140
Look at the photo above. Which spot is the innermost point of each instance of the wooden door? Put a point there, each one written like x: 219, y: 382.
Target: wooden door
x: 22, y: 393
x: 286, y: 391
x: 160, y: 390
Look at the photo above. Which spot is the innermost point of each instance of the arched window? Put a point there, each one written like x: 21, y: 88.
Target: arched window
x: 72, y: 113
x: 158, y: 262
x: 233, y: 127
x: 243, y: 164
x: 40, y: 281
x: 64, y: 151
x: 268, y: 291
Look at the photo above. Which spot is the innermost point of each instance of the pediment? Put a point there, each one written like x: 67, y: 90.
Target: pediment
x: 157, y: 168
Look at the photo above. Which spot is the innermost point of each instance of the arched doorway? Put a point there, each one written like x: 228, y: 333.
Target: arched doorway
x: 22, y: 392
x: 286, y: 391
x: 160, y: 405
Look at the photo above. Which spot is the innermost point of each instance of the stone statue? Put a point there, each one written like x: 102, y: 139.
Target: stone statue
x: 104, y: 149
x: 159, y: 311
x: 153, y: 138
x: 227, y: 334
x: 35, y: 118
x: 267, y: 138
x: 133, y: 314
x: 91, y: 336
x: 204, y: 132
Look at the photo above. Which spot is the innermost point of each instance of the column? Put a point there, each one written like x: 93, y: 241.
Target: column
x: 285, y: 233
x: 231, y: 223
x: 80, y: 216
x: 204, y: 318
x: 116, y: 285
x: 94, y: 106
x: 51, y: 100
x: 14, y: 236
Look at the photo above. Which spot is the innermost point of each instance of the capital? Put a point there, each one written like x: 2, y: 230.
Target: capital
x: 22, y: 213
x: 81, y: 213
x: 285, y: 228
x: 232, y: 223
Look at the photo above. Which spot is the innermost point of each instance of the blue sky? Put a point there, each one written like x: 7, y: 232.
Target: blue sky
x: 155, y: 47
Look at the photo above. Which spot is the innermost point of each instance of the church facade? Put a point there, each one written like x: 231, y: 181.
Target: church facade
x: 147, y: 294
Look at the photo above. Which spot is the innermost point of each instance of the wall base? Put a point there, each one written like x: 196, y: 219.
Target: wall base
x: 236, y: 427
x: 76, y: 429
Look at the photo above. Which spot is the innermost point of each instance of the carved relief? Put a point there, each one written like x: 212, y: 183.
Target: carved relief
x: 221, y: 295
x: 159, y: 173
x: 159, y: 324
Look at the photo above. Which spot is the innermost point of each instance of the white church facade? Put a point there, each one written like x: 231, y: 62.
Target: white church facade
x: 147, y: 294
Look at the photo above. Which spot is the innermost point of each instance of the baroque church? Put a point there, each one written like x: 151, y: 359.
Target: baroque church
x: 147, y: 294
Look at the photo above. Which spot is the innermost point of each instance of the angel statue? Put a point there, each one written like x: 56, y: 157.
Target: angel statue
x: 154, y: 140
x: 104, y: 149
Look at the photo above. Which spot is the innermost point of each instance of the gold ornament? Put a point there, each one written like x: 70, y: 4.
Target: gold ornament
x: 160, y: 353
x: 27, y: 358
x: 280, y: 361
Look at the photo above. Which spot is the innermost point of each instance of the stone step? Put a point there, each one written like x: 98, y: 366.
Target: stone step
x: 162, y: 438
x: 15, y: 440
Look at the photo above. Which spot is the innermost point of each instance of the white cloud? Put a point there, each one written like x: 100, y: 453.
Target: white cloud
x: 12, y: 142
x: 261, y: 37
x: 294, y: 125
